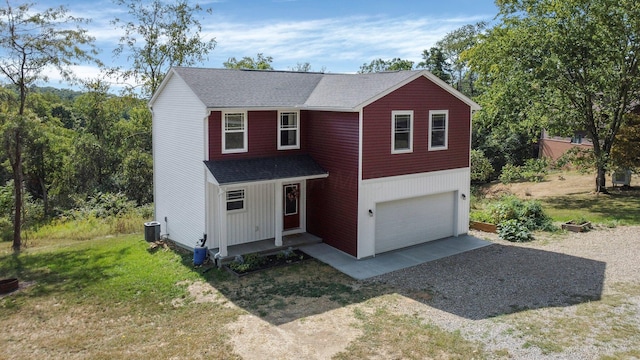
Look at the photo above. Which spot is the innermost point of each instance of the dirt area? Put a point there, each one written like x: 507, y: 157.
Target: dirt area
x: 558, y: 184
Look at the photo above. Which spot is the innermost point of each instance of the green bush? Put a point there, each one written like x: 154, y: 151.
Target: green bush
x: 534, y: 170
x: 102, y: 205
x: 528, y: 212
x: 481, y: 168
x: 514, y: 231
x: 510, y: 174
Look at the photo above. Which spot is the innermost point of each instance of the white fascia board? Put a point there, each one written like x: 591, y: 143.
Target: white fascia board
x: 283, y: 180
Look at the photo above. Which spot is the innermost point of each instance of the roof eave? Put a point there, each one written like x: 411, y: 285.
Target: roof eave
x: 265, y: 181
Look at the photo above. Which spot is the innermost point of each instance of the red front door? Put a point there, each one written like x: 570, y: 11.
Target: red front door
x: 291, y: 206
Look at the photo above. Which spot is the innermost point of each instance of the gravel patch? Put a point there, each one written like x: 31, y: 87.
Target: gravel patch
x: 536, y: 283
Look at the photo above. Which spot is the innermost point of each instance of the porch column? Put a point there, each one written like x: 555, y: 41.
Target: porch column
x: 222, y: 222
x: 278, y: 211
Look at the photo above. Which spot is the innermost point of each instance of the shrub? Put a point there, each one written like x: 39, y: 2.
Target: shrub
x: 481, y: 168
x: 529, y: 213
x: 103, y: 205
x: 510, y: 173
x: 535, y: 170
x: 514, y: 231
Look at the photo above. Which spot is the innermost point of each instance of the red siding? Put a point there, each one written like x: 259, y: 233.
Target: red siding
x: 421, y: 95
x: 554, y: 149
x: 262, y: 136
x: 332, y: 203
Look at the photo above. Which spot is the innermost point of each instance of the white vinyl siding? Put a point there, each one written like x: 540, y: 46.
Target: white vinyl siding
x: 179, y: 148
x: 257, y: 221
x: 438, y: 129
x: 288, y: 130
x: 373, y: 192
x: 234, y: 132
x: 401, y: 132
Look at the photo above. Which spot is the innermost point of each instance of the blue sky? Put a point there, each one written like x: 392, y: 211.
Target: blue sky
x: 332, y: 35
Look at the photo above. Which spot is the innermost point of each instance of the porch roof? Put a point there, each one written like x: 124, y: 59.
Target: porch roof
x: 236, y: 171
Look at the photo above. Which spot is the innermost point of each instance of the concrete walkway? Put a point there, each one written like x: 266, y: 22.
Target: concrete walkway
x: 392, y: 260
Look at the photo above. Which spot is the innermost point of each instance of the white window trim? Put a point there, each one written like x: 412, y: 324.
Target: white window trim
x: 297, y: 129
x: 245, y: 133
x: 393, y: 131
x: 446, y: 129
x: 244, y: 200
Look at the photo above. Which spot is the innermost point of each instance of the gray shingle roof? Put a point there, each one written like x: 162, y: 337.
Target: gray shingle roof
x: 265, y: 168
x: 220, y: 88
x: 230, y: 88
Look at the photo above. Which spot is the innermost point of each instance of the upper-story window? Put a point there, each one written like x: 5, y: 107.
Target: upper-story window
x: 234, y: 129
x: 402, y: 132
x: 438, y: 129
x: 288, y: 130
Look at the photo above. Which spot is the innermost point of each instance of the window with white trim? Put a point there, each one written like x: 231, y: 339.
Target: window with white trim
x: 438, y: 129
x: 402, y: 131
x: 235, y: 200
x: 288, y: 130
x: 234, y: 132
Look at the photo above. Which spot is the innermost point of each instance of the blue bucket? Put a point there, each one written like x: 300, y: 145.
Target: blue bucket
x: 199, y: 254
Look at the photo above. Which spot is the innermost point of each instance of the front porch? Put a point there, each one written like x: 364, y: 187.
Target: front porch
x: 268, y: 245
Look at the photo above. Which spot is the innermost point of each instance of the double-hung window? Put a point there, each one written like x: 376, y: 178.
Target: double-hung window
x: 402, y: 131
x: 288, y: 130
x: 235, y: 200
x: 438, y: 129
x: 234, y: 128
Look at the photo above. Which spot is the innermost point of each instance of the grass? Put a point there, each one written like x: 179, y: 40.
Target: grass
x: 288, y: 293
x: 109, y: 298
x: 610, y: 209
x: 387, y: 335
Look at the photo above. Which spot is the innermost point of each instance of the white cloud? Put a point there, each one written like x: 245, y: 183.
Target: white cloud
x: 344, y: 42
x: 84, y: 73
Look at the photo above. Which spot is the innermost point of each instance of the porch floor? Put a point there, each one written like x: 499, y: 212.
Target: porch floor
x: 268, y: 245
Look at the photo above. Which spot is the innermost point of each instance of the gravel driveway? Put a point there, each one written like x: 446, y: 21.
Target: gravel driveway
x: 552, y: 289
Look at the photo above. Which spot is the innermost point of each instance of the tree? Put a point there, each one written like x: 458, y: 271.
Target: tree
x: 569, y: 65
x: 160, y: 36
x: 380, y: 65
x: 260, y: 62
x: 626, y: 152
x: 30, y: 42
x: 453, y: 45
x: 435, y: 61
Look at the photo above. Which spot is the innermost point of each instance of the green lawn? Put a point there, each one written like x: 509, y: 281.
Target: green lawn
x: 611, y: 209
x: 110, y: 298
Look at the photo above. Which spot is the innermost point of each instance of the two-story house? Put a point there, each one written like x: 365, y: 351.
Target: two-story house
x: 367, y: 162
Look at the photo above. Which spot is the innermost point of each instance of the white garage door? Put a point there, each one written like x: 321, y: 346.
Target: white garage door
x: 406, y: 222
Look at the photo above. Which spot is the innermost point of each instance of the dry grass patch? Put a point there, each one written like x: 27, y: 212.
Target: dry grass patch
x: 387, y: 335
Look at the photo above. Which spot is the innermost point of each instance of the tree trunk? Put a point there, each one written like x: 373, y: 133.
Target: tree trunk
x: 45, y: 197
x: 601, y: 180
x: 17, y: 184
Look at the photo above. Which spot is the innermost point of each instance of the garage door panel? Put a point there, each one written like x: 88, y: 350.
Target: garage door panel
x: 407, y: 222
